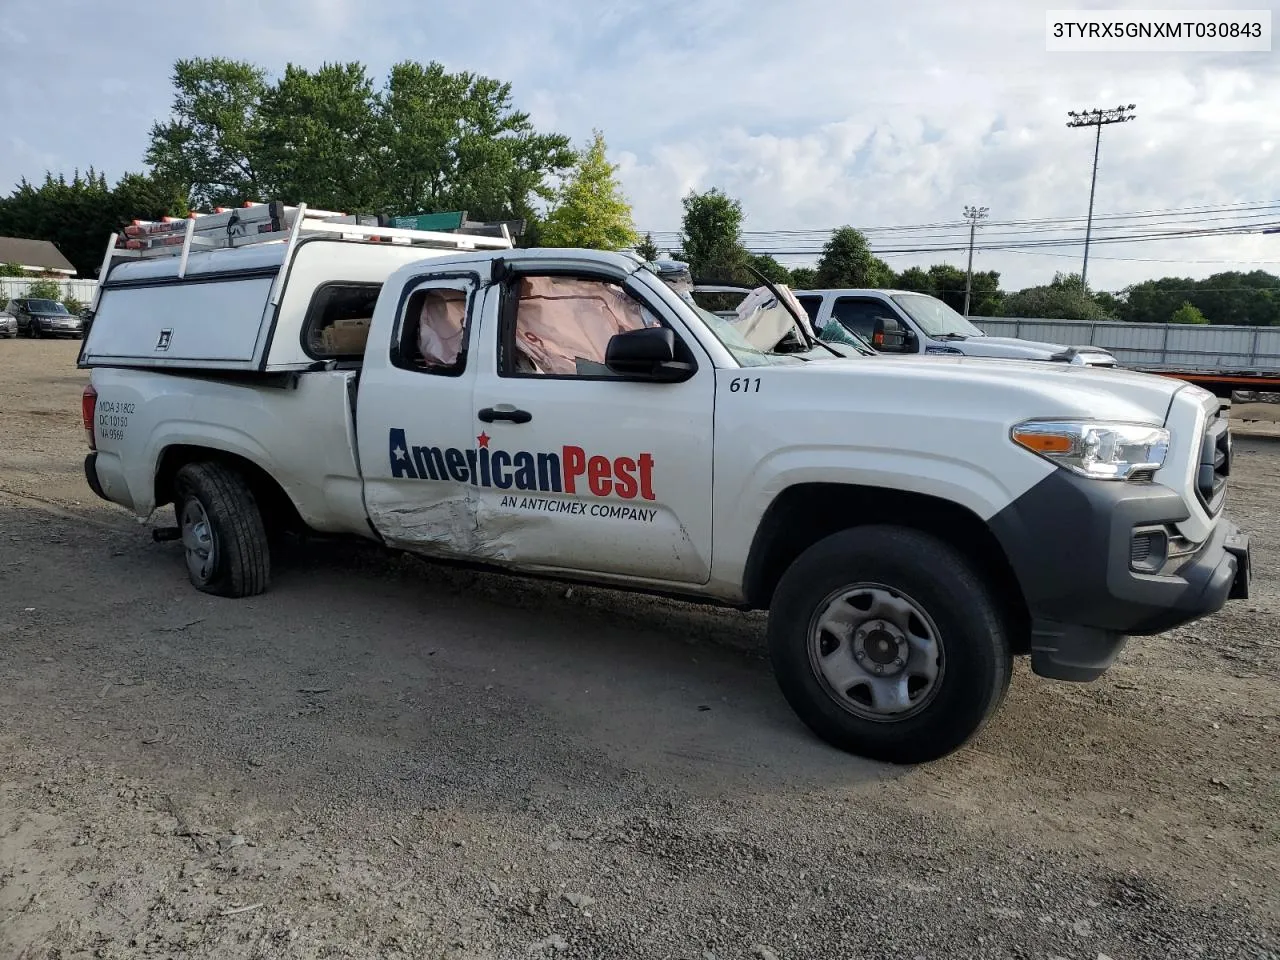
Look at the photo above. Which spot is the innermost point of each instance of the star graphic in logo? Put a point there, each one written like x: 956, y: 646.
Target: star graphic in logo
x: 399, y: 452
x: 483, y: 440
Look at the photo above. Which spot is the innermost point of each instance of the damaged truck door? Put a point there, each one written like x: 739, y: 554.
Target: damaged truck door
x: 571, y: 451
x: 418, y: 452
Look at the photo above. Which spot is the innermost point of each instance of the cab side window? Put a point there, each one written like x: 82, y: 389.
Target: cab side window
x: 338, y: 318
x: 560, y: 326
x: 433, y: 330
x: 859, y: 314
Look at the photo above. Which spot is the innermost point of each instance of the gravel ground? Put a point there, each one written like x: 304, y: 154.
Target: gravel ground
x: 385, y: 758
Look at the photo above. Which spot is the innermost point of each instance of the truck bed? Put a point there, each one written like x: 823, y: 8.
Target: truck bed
x: 299, y: 429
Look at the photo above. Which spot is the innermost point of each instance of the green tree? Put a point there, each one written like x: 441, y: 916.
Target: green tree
x: 847, y: 261
x: 454, y: 141
x: 804, y: 278
x: 591, y: 211
x: 78, y: 216
x: 1114, y: 306
x: 45, y: 289
x: 1063, y: 299
x: 770, y: 267
x: 211, y: 144
x: 318, y: 139
x: 710, y: 239
x: 1233, y: 298
x: 647, y: 249
x: 948, y: 285
x: 1187, y: 313
x: 427, y: 141
x: 914, y: 279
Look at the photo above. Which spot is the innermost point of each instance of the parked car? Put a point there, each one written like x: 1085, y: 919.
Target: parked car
x: 902, y: 321
x: 38, y: 317
x: 911, y: 524
x: 8, y: 324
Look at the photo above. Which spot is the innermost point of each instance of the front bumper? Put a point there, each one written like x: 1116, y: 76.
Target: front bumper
x: 55, y: 330
x: 1069, y: 540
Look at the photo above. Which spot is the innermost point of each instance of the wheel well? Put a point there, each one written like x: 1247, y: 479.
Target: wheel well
x: 277, y: 508
x: 804, y: 514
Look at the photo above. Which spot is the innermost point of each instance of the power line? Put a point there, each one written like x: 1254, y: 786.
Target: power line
x: 942, y: 247
x: 1247, y: 221
x: 1050, y: 253
x: 1244, y: 207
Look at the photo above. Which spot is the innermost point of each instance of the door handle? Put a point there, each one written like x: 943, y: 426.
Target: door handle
x: 489, y: 414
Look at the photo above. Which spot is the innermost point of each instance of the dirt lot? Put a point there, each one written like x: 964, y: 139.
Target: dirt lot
x: 382, y: 758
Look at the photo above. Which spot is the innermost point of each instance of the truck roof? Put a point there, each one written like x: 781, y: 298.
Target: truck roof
x: 856, y: 291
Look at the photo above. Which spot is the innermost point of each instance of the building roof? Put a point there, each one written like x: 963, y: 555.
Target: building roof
x: 34, y: 254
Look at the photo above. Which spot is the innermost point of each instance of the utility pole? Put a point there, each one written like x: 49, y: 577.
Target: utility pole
x: 1097, y: 119
x: 973, y: 215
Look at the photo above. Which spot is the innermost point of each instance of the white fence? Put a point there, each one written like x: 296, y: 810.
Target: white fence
x: 1161, y: 346
x: 11, y: 287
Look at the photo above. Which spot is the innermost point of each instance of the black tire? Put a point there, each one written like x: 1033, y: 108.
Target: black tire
x: 240, y: 564
x: 970, y: 632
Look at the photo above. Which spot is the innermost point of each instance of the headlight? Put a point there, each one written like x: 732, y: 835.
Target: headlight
x: 1104, y: 451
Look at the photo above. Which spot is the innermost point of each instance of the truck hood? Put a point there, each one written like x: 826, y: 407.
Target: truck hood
x: 1022, y: 388
x: 1007, y: 347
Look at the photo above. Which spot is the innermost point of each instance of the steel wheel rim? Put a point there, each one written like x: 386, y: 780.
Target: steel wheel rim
x: 197, y: 538
x: 876, y: 651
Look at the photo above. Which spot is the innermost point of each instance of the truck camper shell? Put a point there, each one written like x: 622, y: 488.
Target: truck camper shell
x: 260, y: 289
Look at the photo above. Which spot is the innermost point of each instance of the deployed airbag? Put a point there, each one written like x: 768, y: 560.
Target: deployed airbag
x: 763, y: 320
x: 564, y: 320
x: 440, y: 326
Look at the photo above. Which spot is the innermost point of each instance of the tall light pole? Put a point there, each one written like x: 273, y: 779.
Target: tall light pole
x: 973, y: 215
x: 1097, y: 119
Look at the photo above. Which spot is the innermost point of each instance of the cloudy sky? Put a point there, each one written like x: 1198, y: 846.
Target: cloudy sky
x: 815, y: 113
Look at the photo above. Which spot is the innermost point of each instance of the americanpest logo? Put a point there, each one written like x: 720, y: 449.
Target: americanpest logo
x: 571, y: 470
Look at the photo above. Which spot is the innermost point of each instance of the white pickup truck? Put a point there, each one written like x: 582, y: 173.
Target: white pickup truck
x: 910, y: 523
x: 903, y: 321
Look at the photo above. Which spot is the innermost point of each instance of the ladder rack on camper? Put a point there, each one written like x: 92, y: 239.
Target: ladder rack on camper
x: 272, y: 222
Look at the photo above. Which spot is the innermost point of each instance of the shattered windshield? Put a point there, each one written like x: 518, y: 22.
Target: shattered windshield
x: 741, y: 348
x: 747, y: 354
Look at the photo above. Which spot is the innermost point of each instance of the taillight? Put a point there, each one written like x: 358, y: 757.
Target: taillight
x: 88, y: 408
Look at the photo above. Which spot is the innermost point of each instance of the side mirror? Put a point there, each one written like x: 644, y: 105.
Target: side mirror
x: 897, y: 340
x: 649, y: 352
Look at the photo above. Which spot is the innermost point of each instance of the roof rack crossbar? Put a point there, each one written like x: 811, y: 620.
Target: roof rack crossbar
x: 273, y: 223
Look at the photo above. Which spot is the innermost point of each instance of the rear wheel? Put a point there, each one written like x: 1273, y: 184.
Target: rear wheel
x: 888, y: 644
x: 222, y: 531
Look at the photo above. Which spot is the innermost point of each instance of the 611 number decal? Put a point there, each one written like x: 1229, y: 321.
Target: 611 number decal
x: 744, y: 385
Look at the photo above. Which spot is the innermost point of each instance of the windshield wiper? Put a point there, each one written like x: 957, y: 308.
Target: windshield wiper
x: 811, y: 339
x: 951, y: 336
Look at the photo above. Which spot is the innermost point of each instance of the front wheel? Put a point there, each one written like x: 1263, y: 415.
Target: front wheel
x: 888, y: 644
x: 222, y: 531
